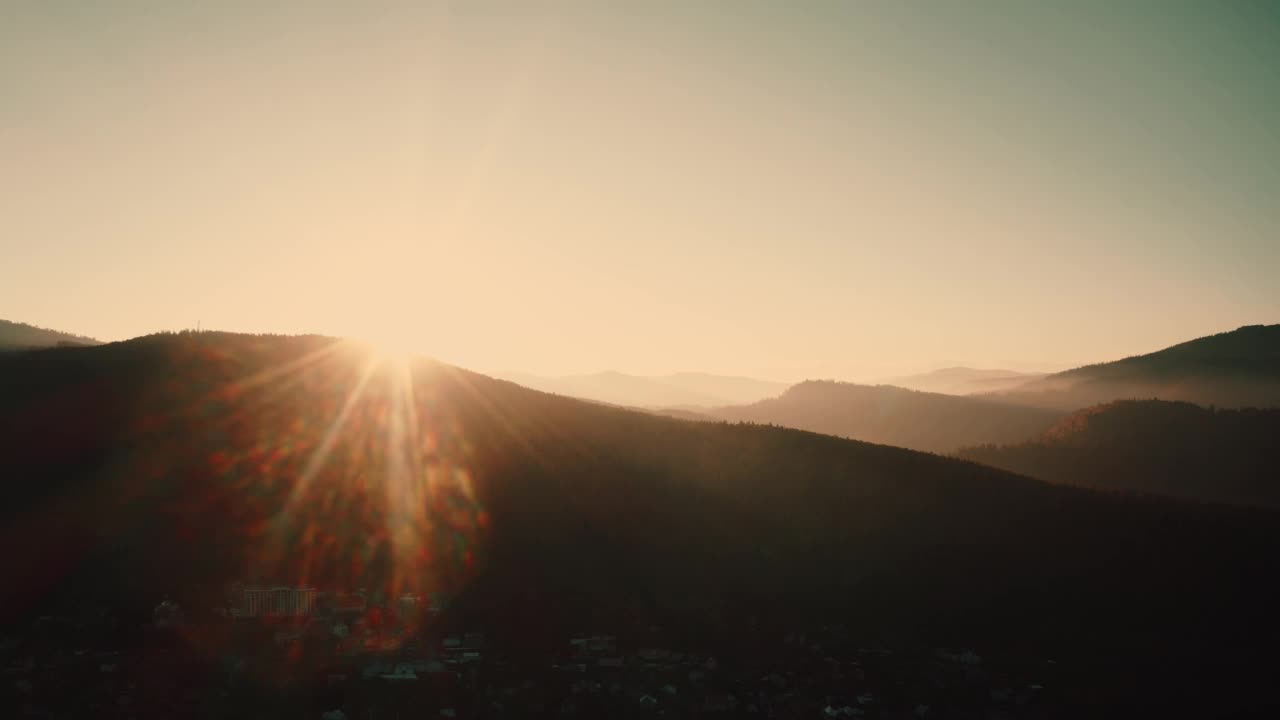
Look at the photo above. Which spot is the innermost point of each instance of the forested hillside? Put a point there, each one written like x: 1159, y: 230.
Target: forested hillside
x: 1155, y: 446
x: 1240, y: 368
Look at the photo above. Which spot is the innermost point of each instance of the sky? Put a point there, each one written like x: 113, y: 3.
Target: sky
x: 784, y: 190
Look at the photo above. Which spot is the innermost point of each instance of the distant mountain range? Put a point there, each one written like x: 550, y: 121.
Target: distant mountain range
x: 932, y: 422
x: 955, y: 407
x: 692, y: 390
x: 1155, y: 446
x: 1234, y: 369
x: 963, y: 380
x: 21, y: 336
x: 1240, y: 368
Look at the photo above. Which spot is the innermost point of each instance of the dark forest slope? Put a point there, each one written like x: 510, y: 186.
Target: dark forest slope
x: 1155, y: 446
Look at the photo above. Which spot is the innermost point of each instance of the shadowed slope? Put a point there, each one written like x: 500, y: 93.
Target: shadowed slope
x: 1155, y: 446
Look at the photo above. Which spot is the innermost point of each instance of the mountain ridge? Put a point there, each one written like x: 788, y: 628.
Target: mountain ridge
x: 928, y: 422
x: 1237, y: 368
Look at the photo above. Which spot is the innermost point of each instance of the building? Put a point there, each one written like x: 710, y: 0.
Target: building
x: 410, y: 606
x: 279, y: 601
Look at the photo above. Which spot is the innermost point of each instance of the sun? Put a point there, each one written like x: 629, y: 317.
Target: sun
x: 387, y: 354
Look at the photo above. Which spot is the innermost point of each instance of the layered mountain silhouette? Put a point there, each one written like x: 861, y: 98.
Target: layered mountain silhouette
x: 964, y: 380
x: 1155, y: 446
x: 21, y: 336
x: 932, y: 422
x: 1240, y: 368
x: 690, y: 390
x: 176, y: 464
x: 955, y: 407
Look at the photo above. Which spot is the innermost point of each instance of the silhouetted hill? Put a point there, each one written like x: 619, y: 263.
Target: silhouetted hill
x: 676, y: 390
x: 1240, y: 368
x: 21, y: 336
x: 932, y: 422
x: 1154, y: 446
x: 179, y: 463
x: 963, y: 380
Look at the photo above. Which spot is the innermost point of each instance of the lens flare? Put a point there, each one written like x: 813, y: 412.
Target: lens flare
x: 338, y: 466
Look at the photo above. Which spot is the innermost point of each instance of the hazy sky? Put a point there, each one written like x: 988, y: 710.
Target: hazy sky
x: 789, y: 190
